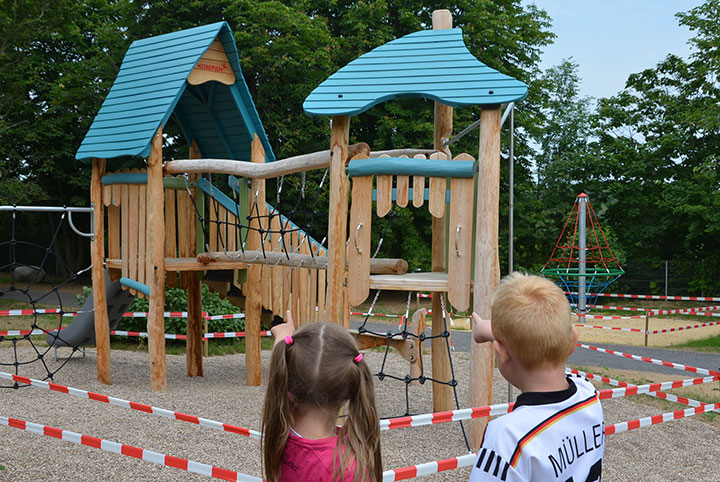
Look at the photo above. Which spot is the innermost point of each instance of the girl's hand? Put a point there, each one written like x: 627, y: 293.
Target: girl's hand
x: 283, y: 329
x: 482, y: 329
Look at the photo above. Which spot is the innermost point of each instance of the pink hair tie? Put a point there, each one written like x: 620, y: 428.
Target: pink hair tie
x: 358, y: 358
x: 288, y: 340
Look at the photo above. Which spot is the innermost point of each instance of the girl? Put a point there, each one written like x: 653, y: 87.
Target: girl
x: 314, y: 371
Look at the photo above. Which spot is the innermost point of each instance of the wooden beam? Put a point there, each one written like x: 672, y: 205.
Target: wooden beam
x: 97, y: 256
x: 442, y: 394
x: 156, y: 269
x: 337, y: 221
x: 194, y: 352
x: 487, y: 265
x: 242, y: 259
x: 253, y: 300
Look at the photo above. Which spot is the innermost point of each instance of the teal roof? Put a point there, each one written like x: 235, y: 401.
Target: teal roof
x: 152, y: 85
x: 432, y: 64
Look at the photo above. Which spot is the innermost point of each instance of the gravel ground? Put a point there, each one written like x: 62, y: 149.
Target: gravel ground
x: 682, y: 450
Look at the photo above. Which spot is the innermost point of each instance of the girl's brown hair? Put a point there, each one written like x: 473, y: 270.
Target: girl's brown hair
x: 318, y: 369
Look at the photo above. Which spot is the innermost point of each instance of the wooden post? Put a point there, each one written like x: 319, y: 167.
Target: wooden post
x: 97, y: 257
x: 442, y: 394
x: 647, y: 326
x: 253, y: 300
x: 487, y: 264
x: 156, y: 268
x: 194, y: 353
x: 337, y: 223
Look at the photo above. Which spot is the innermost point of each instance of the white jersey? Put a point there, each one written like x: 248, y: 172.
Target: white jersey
x: 548, y: 436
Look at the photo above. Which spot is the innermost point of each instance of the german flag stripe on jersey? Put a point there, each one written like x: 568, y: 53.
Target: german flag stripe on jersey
x: 539, y: 428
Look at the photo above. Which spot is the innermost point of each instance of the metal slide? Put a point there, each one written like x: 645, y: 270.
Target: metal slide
x: 81, y: 331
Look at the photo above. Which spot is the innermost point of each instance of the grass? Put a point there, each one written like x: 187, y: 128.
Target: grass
x: 710, y: 344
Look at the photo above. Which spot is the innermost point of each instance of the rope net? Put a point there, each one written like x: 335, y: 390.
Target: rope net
x: 24, y: 347
x: 597, y: 270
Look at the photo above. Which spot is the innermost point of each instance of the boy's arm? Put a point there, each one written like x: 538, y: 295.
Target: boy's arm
x: 482, y: 329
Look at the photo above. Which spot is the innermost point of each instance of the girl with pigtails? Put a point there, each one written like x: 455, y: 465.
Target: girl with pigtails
x: 314, y: 372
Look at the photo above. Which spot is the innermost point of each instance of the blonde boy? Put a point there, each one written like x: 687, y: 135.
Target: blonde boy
x: 556, y: 429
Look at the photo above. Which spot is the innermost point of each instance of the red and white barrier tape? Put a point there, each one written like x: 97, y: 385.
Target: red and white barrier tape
x: 685, y: 311
x: 39, y: 311
x: 604, y: 317
x: 677, y: 366
x: 619, y: 308
x: 680, y: 328
x: 141, y: 407
x: 665, y: 396
x: 380, y: 315
x: 424, y: 295
x: 206, y: 336
x: 129, y: 450
x: 707, y: 313
x: 21, y: 332
x: 616, y: 328
x: 653, y: 297
x: 656, y: 419
x: 429, y: 468
x: 449, y: 416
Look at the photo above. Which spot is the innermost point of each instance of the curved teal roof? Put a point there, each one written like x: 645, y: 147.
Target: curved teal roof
x: 432, y: 64
x: 152, y: 85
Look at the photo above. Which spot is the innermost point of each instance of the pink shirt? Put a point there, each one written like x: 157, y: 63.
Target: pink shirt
x: 307, y: 460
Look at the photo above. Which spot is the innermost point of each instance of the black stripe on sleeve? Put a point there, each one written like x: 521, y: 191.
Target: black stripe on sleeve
x: 480, y: 458
x: 489, y: 461
x: 505, y: 471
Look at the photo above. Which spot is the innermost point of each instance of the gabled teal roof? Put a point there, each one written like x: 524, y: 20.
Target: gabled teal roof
x: 152, y: 85
x: 432, y: 64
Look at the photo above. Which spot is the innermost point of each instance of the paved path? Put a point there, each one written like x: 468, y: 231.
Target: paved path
x: 591, y: 358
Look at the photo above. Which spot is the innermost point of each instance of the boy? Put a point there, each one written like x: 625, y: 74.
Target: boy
x: 556, y: 429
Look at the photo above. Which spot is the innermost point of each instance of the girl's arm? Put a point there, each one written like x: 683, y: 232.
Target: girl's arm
x: 280, y: 331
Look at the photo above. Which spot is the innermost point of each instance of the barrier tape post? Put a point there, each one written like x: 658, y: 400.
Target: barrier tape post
x: 647, y: 326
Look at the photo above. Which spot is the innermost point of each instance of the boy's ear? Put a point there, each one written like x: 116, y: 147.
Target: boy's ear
x: 575, y: 339
x: 502, y: 352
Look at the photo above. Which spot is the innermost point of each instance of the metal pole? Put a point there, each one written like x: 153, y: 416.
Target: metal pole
x: 582, y: 237
x: 512, y: 189
x: 666, y: 278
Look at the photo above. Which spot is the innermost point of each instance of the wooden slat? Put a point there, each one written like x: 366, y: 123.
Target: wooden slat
x: 142, y: 235
x: 125, y: 231
x: 438, y: 185
x: 314, y: 273
x: 322, y: 284
x: 170, y: 233
x: 434, y: 282
x: 295, y: 288
x: 384, y: 194
x: 107, y: 195
x: 184, y: 243
x: 402, y: 188
x: 359, y: 247
x: 212, y: 226
x: 304, y: 281
x: 460, y: 239
x: 113, y: 230
x: 418, y: 191
x: 133, y: 193
x: 116, y: 194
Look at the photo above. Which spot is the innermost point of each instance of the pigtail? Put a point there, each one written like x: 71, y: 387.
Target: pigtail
x: 361, y: 432
x: 277, y: 413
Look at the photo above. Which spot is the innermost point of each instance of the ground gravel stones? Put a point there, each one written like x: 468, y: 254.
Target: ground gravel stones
x: 686, y: 449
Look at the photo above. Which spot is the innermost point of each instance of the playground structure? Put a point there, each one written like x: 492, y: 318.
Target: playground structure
x: 582, y: 261
x: 153, y: 219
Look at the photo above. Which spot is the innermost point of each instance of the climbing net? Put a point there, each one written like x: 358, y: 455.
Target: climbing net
x: 30, y: 284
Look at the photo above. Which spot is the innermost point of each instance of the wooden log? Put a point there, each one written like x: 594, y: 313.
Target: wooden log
x: 438, y: 187
x: 359, y: 249
x: 281, y: 167
x: 97, y: 257
x: 156, y: 227
x: 487, y: 265
x: 195, y: 322
x: 113, y: 229
x: 460, y: 242
x: 394, y: 266
x: 337, y: 224
x: 442, y: 394
x: 253, y: 301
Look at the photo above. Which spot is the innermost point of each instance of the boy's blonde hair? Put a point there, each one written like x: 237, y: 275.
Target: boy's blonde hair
x: 531, y: 316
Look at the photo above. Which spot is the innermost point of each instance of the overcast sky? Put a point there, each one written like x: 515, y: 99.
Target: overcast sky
x: 611, y: 39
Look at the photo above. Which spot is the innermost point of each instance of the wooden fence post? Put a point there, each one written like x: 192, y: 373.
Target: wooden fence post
x: 97, y: 257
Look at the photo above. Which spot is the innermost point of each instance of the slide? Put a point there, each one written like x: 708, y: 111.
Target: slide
x: 82, y: 329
